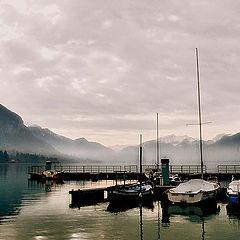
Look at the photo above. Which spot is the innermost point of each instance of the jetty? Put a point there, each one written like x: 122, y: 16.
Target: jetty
x: 132, y: 172
x: 83, y: 197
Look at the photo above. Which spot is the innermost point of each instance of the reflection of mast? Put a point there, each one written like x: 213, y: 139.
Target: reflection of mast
x: 203, y: 231
x: 158, y: 220
x: 141, y: 221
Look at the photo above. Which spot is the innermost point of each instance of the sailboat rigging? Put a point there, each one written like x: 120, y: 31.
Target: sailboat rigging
x: 195, y: 190
x: 199, y: 114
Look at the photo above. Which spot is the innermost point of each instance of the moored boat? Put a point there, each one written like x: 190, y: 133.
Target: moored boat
x: 233, y: 192
x: 137, y: 192
x: 52, y: 174
x: 193, y: 191
x: 134, y: 193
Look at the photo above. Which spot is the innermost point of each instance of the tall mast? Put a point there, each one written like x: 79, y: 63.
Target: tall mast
x: 199, y: 115
x: 157, y: 147
x: 140, y: 154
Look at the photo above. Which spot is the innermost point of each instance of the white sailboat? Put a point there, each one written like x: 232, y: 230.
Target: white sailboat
x: 195, y: 190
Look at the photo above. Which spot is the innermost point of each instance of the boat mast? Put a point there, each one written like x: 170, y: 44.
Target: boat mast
x: 140, y: 160
x: 140, y: 155
x: 157, y: 147
x: 199, y: 115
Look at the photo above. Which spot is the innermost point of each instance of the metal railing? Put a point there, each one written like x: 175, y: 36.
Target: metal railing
x: 173, y: 169
x: 186, y: 169
x: 86, y: 168
x: 228, y: 168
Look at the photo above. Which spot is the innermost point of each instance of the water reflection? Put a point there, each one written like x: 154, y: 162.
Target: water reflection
x: 47, y: 185
x: 141, y: 222
x: 195, y: 213
x: 233, y: 212
x: 117, y: 206
x: 11, y: 191
x: 36, y: 210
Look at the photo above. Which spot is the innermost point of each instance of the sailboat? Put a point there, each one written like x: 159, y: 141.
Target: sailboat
x: 133, y: 193
x: 195, y: 190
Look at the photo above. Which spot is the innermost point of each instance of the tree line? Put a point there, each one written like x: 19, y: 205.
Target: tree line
x: 6, y: 157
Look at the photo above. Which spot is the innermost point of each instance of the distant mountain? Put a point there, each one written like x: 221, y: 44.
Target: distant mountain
x: 80, y: 147
x: 173, y: 139
x: 14, y: 135
x: 117, y: 147
x: 185, y: 150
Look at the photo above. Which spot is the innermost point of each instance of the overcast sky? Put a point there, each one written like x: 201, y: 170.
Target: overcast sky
x: 101, y: 69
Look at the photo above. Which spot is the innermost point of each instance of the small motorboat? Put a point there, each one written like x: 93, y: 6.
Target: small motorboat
x: 193, y: 191
x: 133, y: 191
x: 233, y: 191
x: 52, y: 174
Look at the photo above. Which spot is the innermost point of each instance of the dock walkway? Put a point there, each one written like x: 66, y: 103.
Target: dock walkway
x: 131, y: 172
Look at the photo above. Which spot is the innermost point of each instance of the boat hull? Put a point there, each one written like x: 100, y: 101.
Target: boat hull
x: 191, y: 198
x: 127, y: 195
x: 233, y: 198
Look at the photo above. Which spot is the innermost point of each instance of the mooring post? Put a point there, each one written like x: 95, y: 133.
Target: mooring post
x: 116, y: 179
x: 165, y: 170
x: 48, y: 165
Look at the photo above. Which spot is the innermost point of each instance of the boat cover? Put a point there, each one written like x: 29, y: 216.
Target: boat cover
x: 234, y: 186
x: 194, y: 186
x: 137, y: 188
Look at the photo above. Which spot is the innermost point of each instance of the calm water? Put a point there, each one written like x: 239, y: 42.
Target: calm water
x: 31, y: 210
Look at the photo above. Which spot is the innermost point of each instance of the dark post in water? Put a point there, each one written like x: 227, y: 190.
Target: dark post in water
x: 48, y: 165
x: 165, y: 170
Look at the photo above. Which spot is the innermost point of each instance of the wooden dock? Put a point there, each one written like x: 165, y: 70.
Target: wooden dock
x: 131, y: 172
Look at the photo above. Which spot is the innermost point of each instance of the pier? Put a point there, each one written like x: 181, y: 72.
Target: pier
x: 131, y: 172
x: 84, y: 197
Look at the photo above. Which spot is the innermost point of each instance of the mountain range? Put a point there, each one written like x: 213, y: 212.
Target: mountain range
x: 15, y: 136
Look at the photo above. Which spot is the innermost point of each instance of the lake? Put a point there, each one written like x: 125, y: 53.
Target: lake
x: 33, y: 210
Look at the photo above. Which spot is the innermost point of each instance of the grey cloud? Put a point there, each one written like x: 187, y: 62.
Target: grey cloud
x: 112, y: 60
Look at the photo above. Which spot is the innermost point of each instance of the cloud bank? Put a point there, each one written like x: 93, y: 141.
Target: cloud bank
x: 103, y: 68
